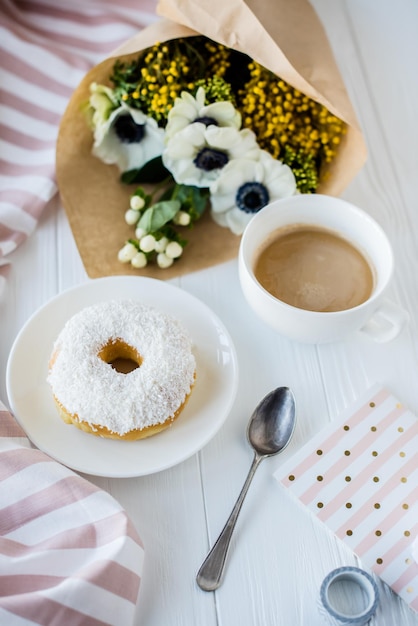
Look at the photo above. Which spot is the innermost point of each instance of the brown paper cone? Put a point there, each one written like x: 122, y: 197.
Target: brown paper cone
x: 287, y: 38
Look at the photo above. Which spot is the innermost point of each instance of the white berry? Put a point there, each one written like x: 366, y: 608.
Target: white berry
x: 137, y: 203
x: 140, y: 232
x: 182, y: 218
x: 164, y: 261
x: 131, y: 217
x: 127, y: 253
x: 173, y: 250
x: 161, y: 244
x: 139, y: 260
x: 147, y: 243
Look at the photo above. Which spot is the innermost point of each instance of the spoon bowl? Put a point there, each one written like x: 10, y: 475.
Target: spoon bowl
x: 269, y: 431
x: 272, y: 424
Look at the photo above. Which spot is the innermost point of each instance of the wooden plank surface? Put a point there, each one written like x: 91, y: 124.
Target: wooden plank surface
x: 279, y: 555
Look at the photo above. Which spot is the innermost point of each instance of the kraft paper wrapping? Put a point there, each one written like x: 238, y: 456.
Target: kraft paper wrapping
x: 286, y: 37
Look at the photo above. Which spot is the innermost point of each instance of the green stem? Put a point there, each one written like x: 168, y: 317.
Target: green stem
x: 161, y: 185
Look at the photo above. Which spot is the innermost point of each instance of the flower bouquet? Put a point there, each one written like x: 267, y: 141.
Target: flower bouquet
x: 183, y: 135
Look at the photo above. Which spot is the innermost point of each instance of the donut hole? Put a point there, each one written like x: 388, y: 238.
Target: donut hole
x: 120, y: 355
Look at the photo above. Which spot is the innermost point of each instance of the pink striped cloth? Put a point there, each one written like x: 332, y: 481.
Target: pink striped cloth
x: 69, y: 555
x: 46, y: 47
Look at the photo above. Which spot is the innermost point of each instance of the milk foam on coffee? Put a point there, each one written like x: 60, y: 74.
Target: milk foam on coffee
x: 314, y: 269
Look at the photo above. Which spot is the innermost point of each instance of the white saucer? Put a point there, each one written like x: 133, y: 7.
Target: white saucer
x: 214, y: 392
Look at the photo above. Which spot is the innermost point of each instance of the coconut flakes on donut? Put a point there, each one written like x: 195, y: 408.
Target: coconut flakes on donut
x: 88, y: 387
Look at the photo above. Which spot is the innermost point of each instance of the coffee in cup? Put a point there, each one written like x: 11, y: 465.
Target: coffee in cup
x: 293, y: 289
x: 314, y: 268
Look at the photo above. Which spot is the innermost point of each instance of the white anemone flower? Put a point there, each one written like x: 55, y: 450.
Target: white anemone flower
x: 102, y: 102
x: 188, y: 109
x: 245, y: 186
x: 197, y: 154
x: 128, y: 139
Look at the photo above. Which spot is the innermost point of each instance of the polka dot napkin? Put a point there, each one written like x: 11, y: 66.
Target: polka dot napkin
x: 359, y: 476
x: 68, y: 552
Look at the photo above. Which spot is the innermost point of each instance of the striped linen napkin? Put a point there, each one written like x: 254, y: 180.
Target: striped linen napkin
x: 46, y: 47
x: 69, y: 555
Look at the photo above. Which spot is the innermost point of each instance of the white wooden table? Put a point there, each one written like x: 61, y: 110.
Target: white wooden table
x: 279, y: 554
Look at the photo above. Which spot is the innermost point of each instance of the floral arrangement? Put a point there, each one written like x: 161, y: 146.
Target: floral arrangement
x: 204, y: 126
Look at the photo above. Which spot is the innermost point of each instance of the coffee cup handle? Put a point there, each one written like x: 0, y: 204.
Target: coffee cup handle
x: 386, y: 322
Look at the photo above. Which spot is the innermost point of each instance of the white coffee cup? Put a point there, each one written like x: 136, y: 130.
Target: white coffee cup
x: 379, y: 318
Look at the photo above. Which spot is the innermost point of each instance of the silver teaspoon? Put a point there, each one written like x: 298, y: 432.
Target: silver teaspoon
x: 269, y: 431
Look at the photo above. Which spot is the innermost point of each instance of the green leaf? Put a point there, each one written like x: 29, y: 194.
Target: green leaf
x: 158, y: 214
x: 192, y: 198
x: 152, y: 172
x: 200, y: 200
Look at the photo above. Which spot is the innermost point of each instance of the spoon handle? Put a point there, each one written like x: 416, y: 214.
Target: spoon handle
x: 209, y: 576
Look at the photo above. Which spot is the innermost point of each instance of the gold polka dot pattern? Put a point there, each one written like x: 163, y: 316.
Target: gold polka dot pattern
x: 359, y: 477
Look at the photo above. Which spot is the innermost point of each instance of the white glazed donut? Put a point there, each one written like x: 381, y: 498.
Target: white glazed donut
x: 94, y: 396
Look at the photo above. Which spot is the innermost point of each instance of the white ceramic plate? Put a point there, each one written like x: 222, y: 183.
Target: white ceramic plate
x: 208, y: 406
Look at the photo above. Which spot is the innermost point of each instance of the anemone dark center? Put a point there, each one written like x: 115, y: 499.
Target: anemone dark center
x: 251, y: 197
x: 210, y: 159
x: 128, y: 130
x: 207, y: 121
